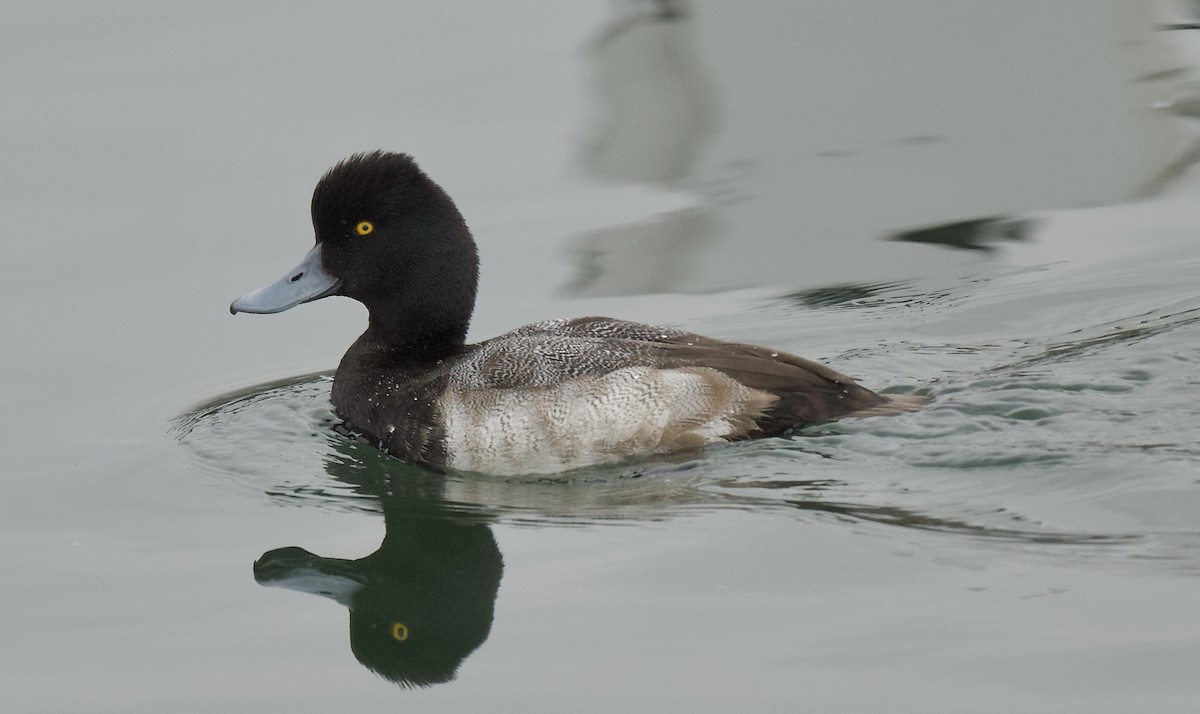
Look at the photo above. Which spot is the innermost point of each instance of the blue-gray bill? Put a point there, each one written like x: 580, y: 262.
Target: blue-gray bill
x: 306, y: 282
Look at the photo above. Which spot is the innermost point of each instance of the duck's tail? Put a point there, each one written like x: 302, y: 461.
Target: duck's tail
x: 893, y: 404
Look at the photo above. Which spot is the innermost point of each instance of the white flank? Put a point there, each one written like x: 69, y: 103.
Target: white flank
x: 591, y: 420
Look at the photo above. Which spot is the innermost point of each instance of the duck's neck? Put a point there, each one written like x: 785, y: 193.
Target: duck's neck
x: 418, y: 327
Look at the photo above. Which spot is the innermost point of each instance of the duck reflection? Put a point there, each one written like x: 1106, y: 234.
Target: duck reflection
x: 421, y: 603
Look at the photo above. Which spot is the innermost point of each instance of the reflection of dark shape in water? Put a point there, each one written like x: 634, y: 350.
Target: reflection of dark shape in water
x: 419, y: 605
x: 656, y: 11
x: 974, y: 234
x: 844, y: 295
x: 655, y: 100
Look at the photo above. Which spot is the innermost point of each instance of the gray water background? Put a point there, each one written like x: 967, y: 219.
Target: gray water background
x: 767, y: 172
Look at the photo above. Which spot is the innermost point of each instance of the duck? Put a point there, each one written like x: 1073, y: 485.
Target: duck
x: 547, y: 397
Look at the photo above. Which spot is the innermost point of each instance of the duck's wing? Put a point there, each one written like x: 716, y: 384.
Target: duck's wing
x: 806, y: 392
x: 558, y: 351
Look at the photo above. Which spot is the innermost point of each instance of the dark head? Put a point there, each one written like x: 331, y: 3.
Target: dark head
x: 392, y: 239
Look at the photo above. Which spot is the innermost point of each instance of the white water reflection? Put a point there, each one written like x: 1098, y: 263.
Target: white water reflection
x: 864, y: 121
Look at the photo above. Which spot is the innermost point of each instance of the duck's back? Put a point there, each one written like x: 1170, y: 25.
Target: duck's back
x: 567, y: 393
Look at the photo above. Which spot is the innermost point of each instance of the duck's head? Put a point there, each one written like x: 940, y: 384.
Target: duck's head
x: 388, y: 237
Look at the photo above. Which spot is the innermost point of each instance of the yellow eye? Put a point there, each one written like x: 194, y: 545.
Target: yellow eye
x: 364, y: 228
x: 399, y: 629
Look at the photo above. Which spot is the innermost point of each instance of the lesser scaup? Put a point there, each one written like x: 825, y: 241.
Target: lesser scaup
x: 545, y: 397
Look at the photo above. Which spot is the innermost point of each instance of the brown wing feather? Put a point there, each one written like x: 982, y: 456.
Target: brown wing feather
x: 806, y: 392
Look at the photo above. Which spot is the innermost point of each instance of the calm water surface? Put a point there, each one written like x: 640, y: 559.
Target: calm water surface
x: 938, y: 198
